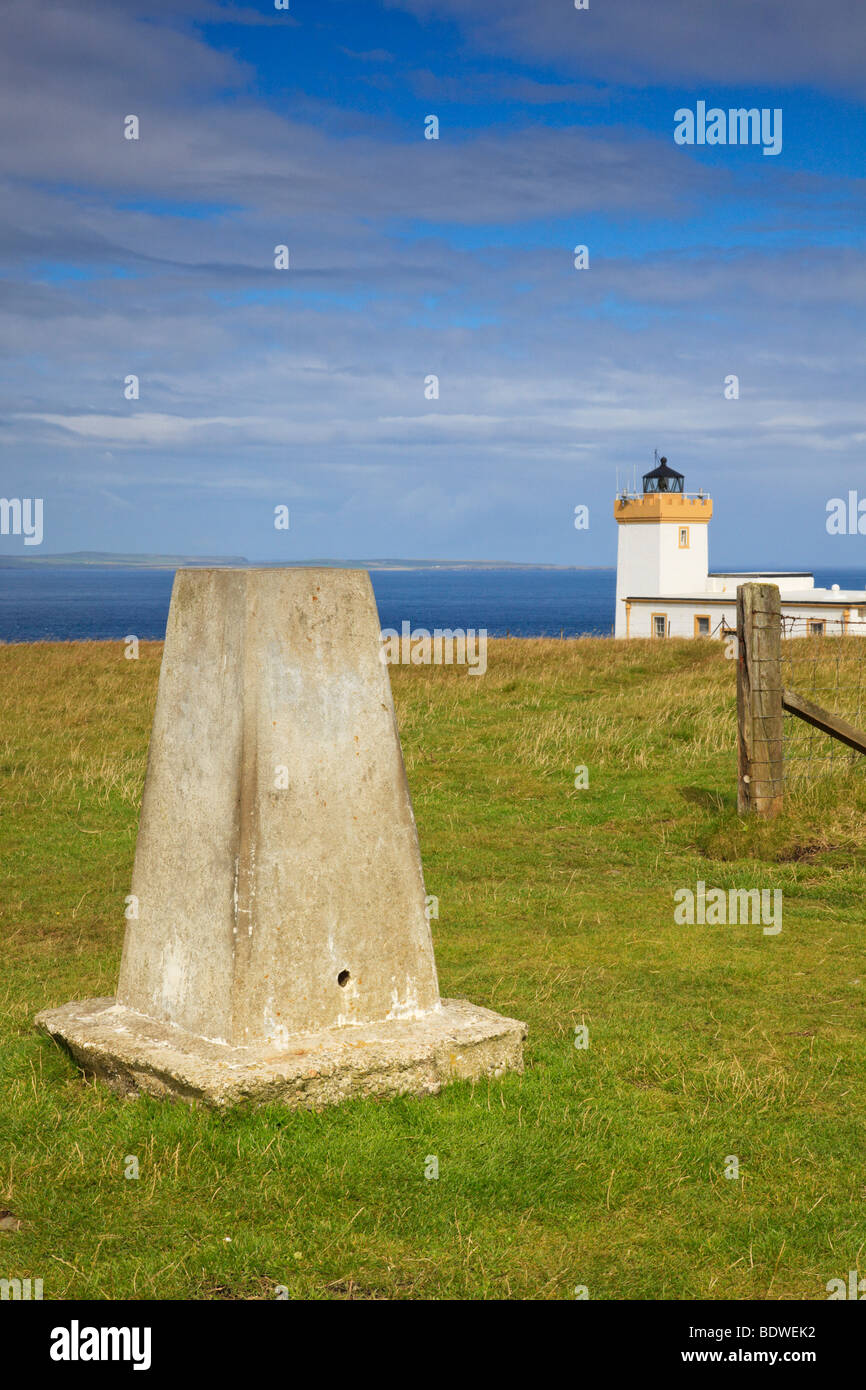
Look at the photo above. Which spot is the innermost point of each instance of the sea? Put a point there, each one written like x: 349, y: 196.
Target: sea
x: 73, y: 603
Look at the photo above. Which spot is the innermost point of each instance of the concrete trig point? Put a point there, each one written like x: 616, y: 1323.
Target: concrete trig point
x: 281, y: 949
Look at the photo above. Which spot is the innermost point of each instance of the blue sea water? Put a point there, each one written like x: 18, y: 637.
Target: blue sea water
x: 101, y: 602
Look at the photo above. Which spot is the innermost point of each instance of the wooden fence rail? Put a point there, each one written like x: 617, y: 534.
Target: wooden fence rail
x: 821, y: 719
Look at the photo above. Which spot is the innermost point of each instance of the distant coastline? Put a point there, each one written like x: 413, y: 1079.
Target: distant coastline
x: 171, y: 562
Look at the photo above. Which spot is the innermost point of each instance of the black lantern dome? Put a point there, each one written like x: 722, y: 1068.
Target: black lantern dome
x: 663, y: 479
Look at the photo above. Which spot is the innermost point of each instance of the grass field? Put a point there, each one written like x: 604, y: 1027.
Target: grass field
x: 602, y: 1167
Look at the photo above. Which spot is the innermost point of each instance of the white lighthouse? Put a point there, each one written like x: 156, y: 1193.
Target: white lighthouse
x: 662, y: 546
x: 663, y: 584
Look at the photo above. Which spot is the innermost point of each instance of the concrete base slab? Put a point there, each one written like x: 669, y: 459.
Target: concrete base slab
x: 133, y: 1053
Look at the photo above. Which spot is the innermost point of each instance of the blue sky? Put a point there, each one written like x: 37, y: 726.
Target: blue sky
x: 411, y: 257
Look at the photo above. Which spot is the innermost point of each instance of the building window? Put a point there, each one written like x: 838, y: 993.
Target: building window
x: 702, y: 624
x: 660, y: 625
x: 815, y: 627
x: 684, y: 538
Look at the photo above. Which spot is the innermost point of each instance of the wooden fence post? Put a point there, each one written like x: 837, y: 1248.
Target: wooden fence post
x: 759, y: 699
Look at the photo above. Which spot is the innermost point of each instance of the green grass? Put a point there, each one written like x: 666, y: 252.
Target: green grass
x: 601, y: 1167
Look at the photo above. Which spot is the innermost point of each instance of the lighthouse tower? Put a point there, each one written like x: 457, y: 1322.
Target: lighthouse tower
x: 662, y: 547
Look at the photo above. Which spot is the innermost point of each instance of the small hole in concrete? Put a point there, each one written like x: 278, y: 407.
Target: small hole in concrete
x: 343, y: 978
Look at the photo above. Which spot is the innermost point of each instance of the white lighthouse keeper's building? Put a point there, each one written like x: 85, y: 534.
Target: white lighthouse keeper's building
x: 663, y: 584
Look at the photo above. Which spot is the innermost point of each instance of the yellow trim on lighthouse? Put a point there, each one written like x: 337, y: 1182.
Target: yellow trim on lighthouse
x: 662, y: 506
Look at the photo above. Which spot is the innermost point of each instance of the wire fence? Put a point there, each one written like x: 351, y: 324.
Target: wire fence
x: 823, y: 660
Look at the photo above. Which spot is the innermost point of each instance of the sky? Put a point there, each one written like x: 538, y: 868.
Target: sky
x: 410, y: 257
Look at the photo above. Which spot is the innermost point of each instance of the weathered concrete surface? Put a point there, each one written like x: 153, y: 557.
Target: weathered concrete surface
x: 134, y: 1054
x: 277, y: 871
x: 255, y: 898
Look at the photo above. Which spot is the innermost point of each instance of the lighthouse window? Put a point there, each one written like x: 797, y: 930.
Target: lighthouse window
x: 816, y: 627
x: 684, y: 538
x: 660, y: 625
x: 702, y: 625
